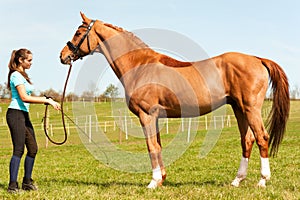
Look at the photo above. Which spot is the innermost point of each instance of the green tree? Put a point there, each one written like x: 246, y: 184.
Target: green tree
x: 111, y: 91
x: 52, y: 93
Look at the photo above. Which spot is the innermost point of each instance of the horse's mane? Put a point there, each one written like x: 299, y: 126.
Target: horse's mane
x: 164, y: 59
x: 171, y: 62
x: 130, y: 35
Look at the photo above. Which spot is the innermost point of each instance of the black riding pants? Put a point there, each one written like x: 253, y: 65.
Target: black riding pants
x: 22, y: 133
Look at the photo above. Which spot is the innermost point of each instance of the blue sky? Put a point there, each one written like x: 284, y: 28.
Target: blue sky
x: 268, y: 28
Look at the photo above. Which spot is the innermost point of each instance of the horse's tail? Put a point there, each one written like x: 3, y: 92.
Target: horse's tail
x: 281, y: 104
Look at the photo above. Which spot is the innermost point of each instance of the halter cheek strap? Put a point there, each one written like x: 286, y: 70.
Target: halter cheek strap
x: 74, y: 48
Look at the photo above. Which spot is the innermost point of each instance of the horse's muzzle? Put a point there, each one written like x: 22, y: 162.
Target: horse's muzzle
x: 65, y: 60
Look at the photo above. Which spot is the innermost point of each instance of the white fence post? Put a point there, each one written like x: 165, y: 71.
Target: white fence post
x: 125, y: 124
x: 189, y: 130
x: 90, y: 128
x: 167, y: 126
x: 205, y: 117
x: 105, y: 124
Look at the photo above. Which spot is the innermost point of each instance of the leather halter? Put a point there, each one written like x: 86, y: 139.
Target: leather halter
x: 75, y: 48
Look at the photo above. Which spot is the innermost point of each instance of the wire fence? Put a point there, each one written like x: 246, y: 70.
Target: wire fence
x: 123, y: 124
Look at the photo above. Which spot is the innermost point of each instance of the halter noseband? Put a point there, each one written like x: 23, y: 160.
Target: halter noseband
x: 74, y: 48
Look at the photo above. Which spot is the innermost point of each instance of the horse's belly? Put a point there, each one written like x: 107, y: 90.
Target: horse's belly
x: 190, y: 109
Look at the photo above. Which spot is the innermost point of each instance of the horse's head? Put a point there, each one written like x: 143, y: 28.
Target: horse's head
x: 84, y: 42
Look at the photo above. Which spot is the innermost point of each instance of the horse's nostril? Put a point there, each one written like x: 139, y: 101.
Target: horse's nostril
x: 63, y: 60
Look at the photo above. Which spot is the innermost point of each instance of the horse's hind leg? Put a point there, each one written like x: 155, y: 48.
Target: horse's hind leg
x: 247, y: 140
x: 256, y: 124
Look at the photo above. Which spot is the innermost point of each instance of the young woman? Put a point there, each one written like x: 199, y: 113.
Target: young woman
x: 21, y: 129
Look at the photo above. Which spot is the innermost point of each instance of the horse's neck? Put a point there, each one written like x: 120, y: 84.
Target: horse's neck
x: 123, y: 50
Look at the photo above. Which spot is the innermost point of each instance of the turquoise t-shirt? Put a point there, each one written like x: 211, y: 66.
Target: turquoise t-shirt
x: 16, y: 79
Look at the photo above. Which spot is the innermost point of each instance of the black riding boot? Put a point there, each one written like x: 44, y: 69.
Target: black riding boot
x: 13, y: 187
x: 28, y: 184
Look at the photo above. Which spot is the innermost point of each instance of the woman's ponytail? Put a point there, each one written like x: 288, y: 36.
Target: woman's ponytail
x: 14, y: 63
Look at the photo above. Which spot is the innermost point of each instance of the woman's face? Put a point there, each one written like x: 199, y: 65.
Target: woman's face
x: 26, y: 63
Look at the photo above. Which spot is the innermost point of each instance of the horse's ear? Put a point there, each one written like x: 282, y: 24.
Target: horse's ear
x: 84, y: 18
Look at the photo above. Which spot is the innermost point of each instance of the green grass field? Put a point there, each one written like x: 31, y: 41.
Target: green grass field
x: 71, y: 172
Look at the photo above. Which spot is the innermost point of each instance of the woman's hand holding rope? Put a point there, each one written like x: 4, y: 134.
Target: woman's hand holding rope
x: 53, y: 103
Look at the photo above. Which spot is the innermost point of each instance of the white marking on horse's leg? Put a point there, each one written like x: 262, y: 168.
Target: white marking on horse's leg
x: 153, y: 184
x: 264, y: 171
x: 265, y: 168
x: 156, y: 175
x: 156, y: 178
x: 242, y: 172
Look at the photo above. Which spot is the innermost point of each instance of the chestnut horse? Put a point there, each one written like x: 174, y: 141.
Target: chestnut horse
x: 158, y: 86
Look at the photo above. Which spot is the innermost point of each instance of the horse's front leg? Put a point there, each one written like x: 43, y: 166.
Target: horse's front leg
x: 149, y: 124
x: 160, y: 161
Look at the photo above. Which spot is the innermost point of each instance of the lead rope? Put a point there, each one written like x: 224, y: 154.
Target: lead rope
x: 63, y: 115
x: 46, y: 118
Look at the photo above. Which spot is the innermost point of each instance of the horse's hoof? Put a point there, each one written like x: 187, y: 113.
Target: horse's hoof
x: 235, y: 183
x: 154, y: 184
x: 262, y: 183
x: 238, y: 179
